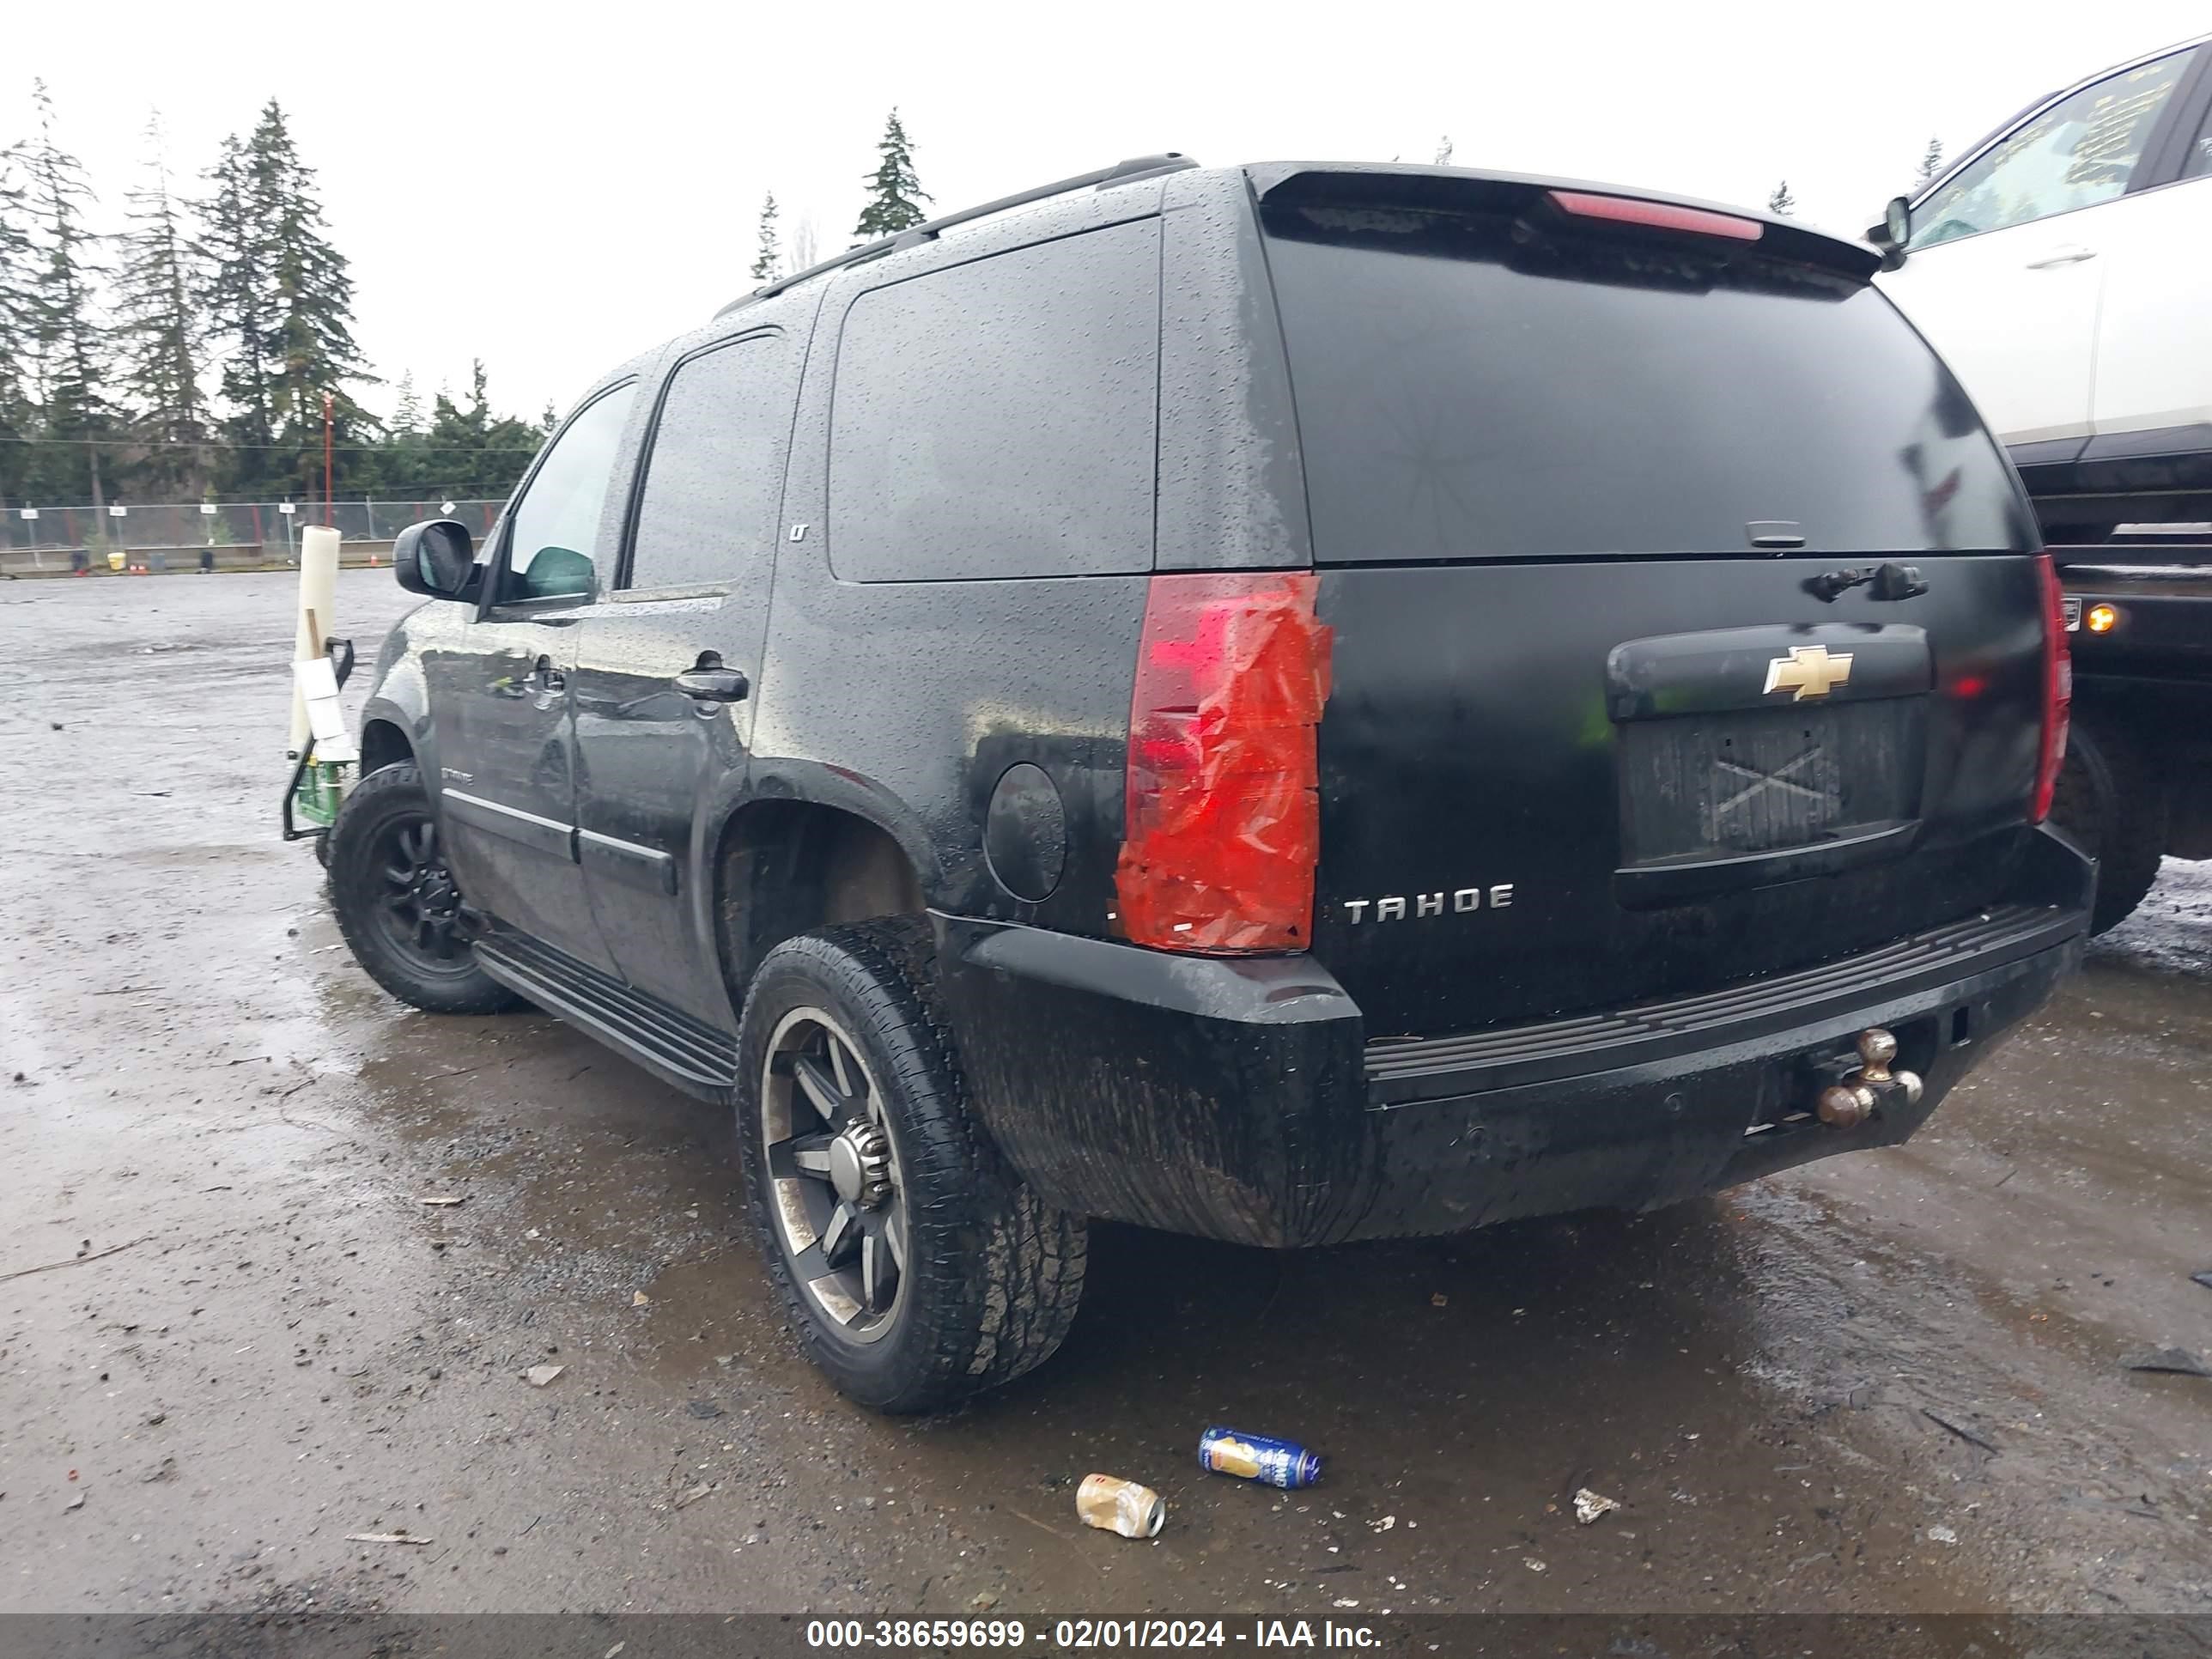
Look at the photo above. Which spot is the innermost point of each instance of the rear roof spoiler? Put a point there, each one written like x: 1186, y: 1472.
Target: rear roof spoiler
x: 1447, y: 188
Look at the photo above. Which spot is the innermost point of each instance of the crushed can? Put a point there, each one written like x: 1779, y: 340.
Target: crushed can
x: 1257, y: 1457
x: 1122, y: 1506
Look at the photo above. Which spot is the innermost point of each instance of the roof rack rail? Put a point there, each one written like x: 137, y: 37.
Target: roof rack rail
x: 1122, y: 172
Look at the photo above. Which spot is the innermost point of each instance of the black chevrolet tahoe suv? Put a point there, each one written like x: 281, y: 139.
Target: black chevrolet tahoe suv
x: 1286, y: 703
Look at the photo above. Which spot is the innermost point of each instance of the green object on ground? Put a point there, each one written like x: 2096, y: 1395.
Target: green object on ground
x: 322, y: 786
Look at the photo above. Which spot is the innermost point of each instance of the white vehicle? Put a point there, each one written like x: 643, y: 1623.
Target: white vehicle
x: 2063, y: 268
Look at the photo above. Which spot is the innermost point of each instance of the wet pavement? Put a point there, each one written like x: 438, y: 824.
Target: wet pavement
x: 232, y: 1333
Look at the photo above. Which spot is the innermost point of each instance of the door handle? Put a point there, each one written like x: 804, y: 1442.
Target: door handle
x: 2072, y: 254
x: 714, y: 684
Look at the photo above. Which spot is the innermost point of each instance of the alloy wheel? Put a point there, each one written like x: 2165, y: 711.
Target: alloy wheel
x: 420, y: 907
x: 838, y: 1199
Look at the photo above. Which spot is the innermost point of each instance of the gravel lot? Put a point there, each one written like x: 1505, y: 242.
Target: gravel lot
x: 231, y: 1334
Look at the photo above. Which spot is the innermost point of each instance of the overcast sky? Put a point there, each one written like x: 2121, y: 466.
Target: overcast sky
x: 553, y: 187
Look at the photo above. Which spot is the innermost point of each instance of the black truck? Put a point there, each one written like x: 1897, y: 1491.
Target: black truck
x: 2137, y: 786
x: 1286, y: 703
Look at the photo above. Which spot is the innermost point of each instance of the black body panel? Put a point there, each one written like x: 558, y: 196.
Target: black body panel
x: 504, y: 726
x: 2165, y: 631
x: 1472, y: 738
x: 1723, y: 670
x: 1647, y: 969
x: 649, y: 758
x: 1241, y: 1100
x: 2164, y: 474
x: 1400, y: 1072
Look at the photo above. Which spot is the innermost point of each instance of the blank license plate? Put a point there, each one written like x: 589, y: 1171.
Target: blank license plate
x: 1759, y: 780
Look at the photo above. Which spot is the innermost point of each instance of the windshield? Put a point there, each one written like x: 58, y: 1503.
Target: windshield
x: 1471, y: 386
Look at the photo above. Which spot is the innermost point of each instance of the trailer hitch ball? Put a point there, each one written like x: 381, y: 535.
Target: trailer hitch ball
x: 1845, y: 1106
x: 1877, y: 1047
x: 1851, y: 1102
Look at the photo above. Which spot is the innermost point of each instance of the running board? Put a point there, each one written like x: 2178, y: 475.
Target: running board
x: 675, y: 1048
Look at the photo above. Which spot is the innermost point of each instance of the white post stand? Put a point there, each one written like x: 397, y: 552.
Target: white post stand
x: 319, y: 586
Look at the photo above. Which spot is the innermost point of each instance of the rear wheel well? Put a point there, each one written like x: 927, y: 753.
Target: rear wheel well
x: 789, y: 867
x: 382, y: 744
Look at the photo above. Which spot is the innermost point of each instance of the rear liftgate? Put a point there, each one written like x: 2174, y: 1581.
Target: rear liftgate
x: 1705, y: 668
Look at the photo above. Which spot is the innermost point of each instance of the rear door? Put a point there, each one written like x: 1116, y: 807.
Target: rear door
x: 2010, y: 255
x: 506, y: 774
x: 664, y: 670
x: 1593, y: 736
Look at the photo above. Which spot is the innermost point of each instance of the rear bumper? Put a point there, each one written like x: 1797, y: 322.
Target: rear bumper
x: 1237, y: 1099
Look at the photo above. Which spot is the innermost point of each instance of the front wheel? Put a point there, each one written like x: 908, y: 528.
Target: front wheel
x: 397, y: 904
x: 914, y: 1265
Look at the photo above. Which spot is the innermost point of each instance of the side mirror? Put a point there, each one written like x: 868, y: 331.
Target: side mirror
x: 1894, y: 231
x: 434, y: 559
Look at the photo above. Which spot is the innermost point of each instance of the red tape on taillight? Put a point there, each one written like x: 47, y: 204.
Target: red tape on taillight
x: 1222, y: 804
x: 2057, y: 688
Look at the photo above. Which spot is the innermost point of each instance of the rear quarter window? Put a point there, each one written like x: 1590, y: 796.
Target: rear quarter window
x: 1471, y: 387
x: 997, y: 418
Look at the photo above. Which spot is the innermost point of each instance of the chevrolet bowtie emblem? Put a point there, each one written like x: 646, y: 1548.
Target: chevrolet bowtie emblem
x: 1809, y: 669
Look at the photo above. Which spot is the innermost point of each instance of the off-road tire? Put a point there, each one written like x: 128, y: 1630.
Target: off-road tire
x: 992, y: 1275
x: 359, y: 844
x: 2111, y: 800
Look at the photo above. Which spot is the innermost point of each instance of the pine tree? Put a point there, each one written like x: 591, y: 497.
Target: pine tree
x: 1444, y: 151
x: 1782, y: 201
x: 407, y: 411
x: 69, y: 350
x: 157, y: 332
x: 1931, y: 163
x: 765, y: 259
x: 477, y: 452
x: 18, y: 331
x: 395, y: 466
x: 240, y: 309
x: 282, y: 295
x: 314, y: 301
x: 479, y: 394
x: 463, y: 451
x: 895, y: 194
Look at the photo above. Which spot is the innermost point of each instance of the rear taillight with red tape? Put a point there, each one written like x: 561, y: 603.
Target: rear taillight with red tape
x: 1222, y: 809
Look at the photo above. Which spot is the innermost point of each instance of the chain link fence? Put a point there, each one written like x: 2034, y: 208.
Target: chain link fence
x: 134, y: 526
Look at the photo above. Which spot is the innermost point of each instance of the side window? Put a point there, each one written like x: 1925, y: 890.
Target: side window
x: 2197, y: 164
x: 2077, y: 152
x: 555, y: 525
x: 997, y: 418
x: 715, y: 476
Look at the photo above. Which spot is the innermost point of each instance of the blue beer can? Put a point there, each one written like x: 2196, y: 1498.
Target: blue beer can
x: 1257, y: 1457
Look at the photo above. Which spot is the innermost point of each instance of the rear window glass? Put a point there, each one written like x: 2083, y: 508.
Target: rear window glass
x: 996, y: 418
x: 1469, y: 385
